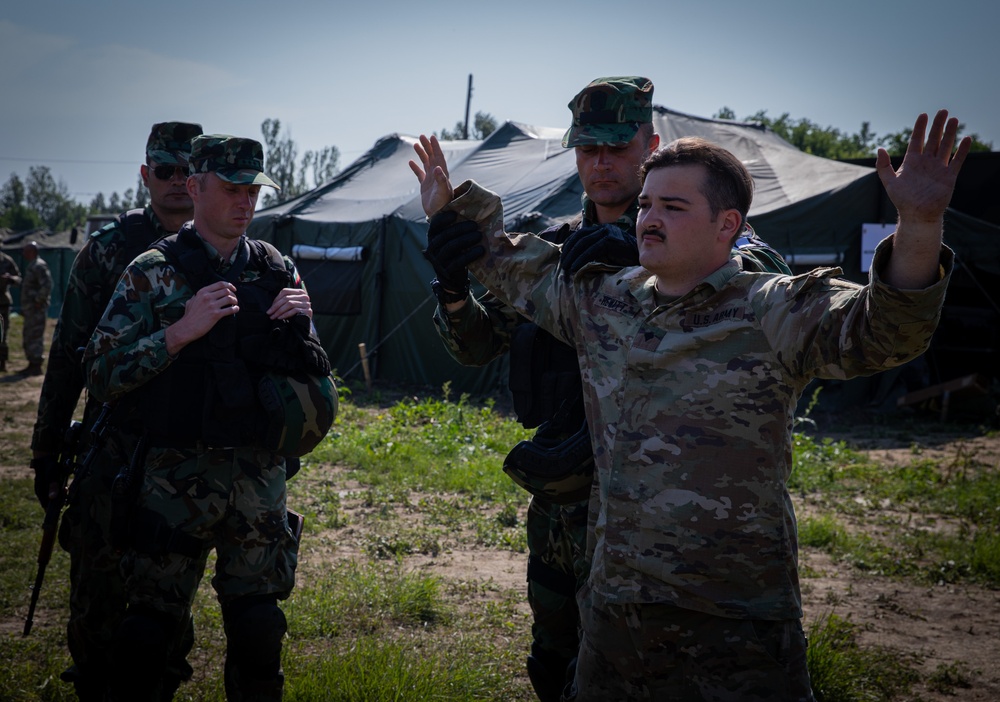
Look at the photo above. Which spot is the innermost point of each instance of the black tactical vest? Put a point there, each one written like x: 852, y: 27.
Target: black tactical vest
x: 544, y: 377
x: 209, y: 393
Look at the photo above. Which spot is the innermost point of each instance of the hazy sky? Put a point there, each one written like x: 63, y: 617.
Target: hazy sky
x: 82, y: 82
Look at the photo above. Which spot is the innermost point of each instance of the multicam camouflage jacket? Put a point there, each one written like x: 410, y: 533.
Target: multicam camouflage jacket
x: 92, y: 279
x: 129, y: 347
x: 690, y: 405
x: 480, y: 330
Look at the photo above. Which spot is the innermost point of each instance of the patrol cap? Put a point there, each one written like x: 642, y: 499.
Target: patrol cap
x: 234, y: 159
x: 169, y: 143
x: 610, y: 111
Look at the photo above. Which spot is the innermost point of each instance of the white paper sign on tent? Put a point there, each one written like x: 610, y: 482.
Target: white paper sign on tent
x: 871, y: 234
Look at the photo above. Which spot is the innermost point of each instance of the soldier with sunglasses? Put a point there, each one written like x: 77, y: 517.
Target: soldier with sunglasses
x: 97, y: 599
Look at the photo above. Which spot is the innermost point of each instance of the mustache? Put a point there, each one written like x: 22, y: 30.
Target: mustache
x: 659, y: 235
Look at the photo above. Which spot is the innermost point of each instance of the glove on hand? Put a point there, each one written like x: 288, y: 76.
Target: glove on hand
x: 451, y: 247
x: 603, y: 243
x: 46, y: 473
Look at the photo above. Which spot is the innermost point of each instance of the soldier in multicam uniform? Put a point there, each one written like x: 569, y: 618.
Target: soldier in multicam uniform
x: 36, y: 293
x: 611, y: 134
x: 10, y: 277
x: 186, y: 325
x: 97, y: 597
x: 692, y: 368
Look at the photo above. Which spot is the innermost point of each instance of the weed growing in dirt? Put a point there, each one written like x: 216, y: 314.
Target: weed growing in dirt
x: 842, y: 671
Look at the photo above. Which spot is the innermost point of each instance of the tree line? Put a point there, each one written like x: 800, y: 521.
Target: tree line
x: 41, y: 201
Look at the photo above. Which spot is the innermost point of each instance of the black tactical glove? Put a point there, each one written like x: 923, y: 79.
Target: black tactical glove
x: 46, y: 473
x: 451, y: 247
x: 603, y: 243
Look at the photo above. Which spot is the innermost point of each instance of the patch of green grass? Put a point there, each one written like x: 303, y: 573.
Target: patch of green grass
x: 845, y: 483
x: 427, y: 445
x: 368, y: 597
x: 823, y: 532
x: 379, y: 668
x: 843, y: 671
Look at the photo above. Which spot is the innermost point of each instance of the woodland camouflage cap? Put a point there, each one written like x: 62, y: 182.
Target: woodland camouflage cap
x: 170, y: 142
x: 610, y: 110
x: 234, y: 159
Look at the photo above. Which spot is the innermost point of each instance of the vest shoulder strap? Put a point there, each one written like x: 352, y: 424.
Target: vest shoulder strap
x: 139, y: 231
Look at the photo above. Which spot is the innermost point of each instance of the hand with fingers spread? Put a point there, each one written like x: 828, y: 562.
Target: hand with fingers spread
x: 201, y: 312
x: 921, y: 189
x: 435, y: 187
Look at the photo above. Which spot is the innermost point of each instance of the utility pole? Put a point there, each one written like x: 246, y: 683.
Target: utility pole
x: 468, y: 101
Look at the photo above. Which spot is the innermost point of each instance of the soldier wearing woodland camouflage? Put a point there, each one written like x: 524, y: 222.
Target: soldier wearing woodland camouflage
x: 194, y: 334
x: 10, y: 277
x: 97, y: 597
x: 36, y: 294
x: 611, y: 134
x: 692, y: 367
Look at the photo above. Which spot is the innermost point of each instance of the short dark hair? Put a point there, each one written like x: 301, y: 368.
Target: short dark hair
x: 728, y: 185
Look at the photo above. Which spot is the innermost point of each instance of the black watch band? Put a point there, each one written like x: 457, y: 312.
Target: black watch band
x: 446, y: 297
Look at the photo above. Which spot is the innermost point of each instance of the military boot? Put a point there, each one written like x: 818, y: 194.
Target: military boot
x: 33, y: 368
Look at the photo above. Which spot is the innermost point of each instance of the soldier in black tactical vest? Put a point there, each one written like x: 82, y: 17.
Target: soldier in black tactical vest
x: 202, y: 340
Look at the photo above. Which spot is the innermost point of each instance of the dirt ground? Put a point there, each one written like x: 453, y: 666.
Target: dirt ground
x: 940, y: 624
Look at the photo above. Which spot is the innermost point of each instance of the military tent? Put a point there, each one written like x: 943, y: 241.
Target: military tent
x: 358, y: 238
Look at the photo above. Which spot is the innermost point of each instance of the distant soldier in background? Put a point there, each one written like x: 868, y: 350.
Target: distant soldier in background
x: 10, y: 276
x: 36, y: 293
x: 97, y: 596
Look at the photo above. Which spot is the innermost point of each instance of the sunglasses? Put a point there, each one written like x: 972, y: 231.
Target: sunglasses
x: 165, y: 172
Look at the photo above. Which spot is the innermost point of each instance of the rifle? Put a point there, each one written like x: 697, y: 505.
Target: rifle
x: 50, y: 524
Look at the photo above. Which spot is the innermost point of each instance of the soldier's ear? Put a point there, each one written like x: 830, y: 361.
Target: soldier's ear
x: 730, y: 224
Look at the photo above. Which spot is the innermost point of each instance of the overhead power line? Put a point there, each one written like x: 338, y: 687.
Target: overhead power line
x: 64, y: 160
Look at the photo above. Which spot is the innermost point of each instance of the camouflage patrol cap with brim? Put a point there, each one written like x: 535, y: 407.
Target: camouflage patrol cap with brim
x: 610, y: 111
x: 169, y: 143
x: 234, y: 159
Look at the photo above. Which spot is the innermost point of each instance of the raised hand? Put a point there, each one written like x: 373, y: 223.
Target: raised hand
x: 921, y: 190
x: 922, y: 187
x: 435, y: 187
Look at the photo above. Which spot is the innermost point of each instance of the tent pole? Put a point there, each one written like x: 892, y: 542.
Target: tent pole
x: 379, y: 295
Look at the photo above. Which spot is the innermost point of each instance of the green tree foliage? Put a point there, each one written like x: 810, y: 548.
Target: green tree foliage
x: 16, y: 216
x: 283, y: 166
x: 830, y: 142
x: 51, y: 200
x: 39, y: 201
x: 483, y: 125
x: 896, y: 142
